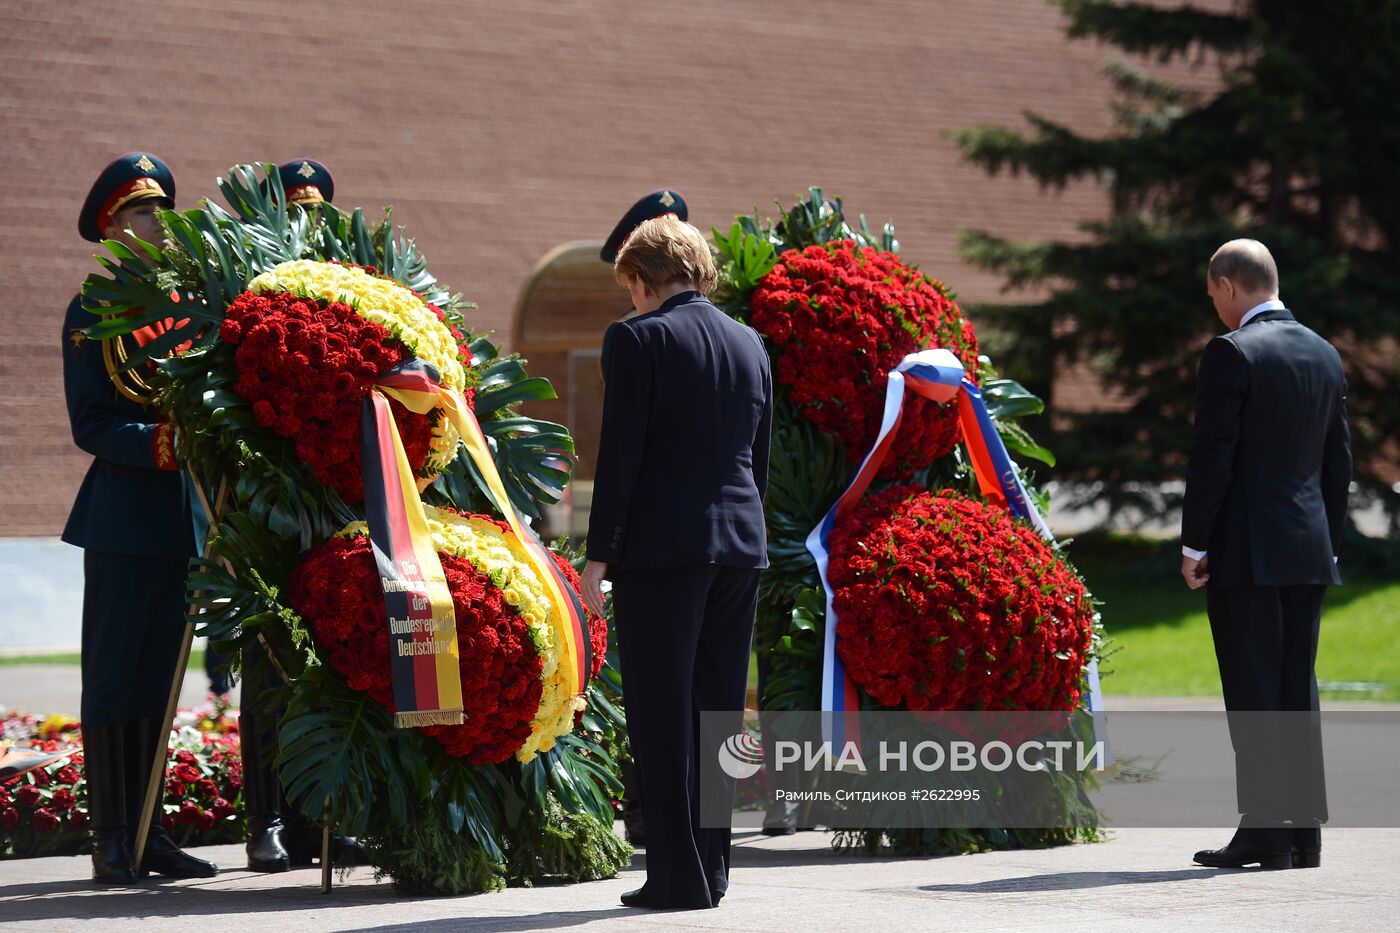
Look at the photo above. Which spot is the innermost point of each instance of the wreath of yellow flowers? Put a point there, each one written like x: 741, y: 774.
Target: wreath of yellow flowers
x: 393, y: 307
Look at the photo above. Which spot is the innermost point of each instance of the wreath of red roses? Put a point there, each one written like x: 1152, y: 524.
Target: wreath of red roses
x: 306, y: 366
x: 948, y: 603
x: 336, y: 589
x: 839, y: 317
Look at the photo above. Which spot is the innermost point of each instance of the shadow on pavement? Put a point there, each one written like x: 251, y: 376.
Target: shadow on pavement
x: 1074, y: 880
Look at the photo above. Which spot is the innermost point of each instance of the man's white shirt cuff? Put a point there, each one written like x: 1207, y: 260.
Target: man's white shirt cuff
x: 1193, y: 553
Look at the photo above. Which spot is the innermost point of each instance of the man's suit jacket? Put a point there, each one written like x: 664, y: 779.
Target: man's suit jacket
x: 1266, y: 486
x: 133, y: 499
x: 683, y: 456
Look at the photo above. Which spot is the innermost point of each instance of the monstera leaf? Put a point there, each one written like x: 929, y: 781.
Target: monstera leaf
x: 533, y: 457
x: 339, y: 750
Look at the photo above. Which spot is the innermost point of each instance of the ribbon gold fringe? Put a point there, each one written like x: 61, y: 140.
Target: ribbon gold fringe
x: 430, y: 717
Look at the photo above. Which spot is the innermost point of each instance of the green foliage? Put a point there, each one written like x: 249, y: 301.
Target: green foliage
x: 426, y: 858
x: 1292, y: 146
x: 796, y: 656
x: 551, y: 844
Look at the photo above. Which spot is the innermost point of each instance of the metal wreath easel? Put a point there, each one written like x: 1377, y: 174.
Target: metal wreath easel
x: 154, y: 788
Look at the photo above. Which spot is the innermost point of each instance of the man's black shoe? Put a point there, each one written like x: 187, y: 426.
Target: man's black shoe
x: 111, y: 858
x: 164, y: 857
x: 303, y: 842
x: 1307, y: 847
x: 266, y: 853
x: 1238, y: 855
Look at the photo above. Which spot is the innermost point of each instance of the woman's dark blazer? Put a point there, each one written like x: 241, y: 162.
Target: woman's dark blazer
x: 683, y: 456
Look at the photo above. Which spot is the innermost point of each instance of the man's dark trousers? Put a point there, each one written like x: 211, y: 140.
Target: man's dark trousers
x: 684, y: 635
x: 1266, y: 645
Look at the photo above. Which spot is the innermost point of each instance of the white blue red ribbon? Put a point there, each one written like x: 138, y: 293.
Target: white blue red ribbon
x: 937, y: 375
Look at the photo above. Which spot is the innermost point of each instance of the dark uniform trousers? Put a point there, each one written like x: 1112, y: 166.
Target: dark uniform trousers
x: 1266, y: 646
x: 133, y: 619
x: 684, y: 636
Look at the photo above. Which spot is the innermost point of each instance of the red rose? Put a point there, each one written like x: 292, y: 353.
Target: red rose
x: 947, y: 603
x: 167, y: 822
x: 174, y: 787
x: 186, y: 773
x: 9, y: 819
x: 838, y: 318
x: 63, y: 799
x: 44, y: 820
x: 186, y: 757
x: 78, y: 819
x: 40, y: 777
x: 67, y: 775
x: 222, y: 808
x: 207, y: 788
x: 189, y: 813
x: 28, y: 795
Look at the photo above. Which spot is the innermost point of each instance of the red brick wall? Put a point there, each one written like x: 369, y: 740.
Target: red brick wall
x: 500, y: 130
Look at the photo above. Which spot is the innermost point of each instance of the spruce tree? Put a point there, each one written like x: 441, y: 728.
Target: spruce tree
x: 1296, y: 145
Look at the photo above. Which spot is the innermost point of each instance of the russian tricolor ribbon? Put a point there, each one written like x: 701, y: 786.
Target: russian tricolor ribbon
x: 937, y: 375
x: 415, y: 384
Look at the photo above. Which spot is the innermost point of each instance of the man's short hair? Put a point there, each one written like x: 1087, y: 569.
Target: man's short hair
x: 1248, y: 264
x: 665, y: 250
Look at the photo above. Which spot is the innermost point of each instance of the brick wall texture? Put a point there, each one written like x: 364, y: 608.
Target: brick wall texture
x: 499, y: 130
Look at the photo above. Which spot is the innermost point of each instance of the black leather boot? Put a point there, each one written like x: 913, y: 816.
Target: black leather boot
x: 261, y: 798
x: 103, y: 752
x: 162, y: 855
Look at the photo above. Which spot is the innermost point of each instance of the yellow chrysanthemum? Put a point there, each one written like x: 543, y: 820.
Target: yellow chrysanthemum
x: 501, y: 557
x: 395, y: 308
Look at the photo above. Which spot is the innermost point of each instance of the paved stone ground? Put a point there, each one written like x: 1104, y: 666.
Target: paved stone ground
x: 1141, y: 880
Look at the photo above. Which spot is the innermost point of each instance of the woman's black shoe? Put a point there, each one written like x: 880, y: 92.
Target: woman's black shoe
x: 640, y: 898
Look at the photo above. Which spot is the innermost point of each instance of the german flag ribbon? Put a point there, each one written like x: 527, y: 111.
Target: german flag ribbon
x: 423, y: 651
x: 937, y: 375
x: 415, y: 384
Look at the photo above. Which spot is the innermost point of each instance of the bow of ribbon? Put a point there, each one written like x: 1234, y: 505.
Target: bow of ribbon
x: 940, y: 376
x: 427, y: 679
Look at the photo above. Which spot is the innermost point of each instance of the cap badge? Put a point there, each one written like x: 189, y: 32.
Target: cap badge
x: 145, y: 164
x: 666, y: 199
x: 306, y: 171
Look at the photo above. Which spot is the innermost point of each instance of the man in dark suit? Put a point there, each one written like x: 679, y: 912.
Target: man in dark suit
x: 677, y: 524
x: 1262, y: 523
x: 132, y: 518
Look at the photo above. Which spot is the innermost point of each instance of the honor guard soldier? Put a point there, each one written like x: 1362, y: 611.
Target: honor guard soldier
x: 306, y: 182
x: 132, y: 518
x: 657, y: 204
x: 279, y: 836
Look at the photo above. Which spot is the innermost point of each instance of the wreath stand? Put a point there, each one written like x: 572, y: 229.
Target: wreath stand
x: 154, y: 789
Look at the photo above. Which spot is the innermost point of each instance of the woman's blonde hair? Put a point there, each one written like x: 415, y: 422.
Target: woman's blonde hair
x: 664, y: 250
